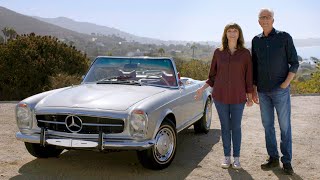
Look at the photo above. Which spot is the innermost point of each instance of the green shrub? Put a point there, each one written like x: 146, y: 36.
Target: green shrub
x: 28, y: 62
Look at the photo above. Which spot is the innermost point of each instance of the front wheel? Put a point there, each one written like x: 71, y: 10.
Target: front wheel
x: 203, y: 124
x: 39, y: 151
x: 162, y: 153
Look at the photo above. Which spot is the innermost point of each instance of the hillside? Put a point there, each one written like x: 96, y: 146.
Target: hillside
x: 26, y: 24
x: 89, y: 28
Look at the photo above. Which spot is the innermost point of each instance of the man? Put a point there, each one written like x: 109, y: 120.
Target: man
x: 275, y: 63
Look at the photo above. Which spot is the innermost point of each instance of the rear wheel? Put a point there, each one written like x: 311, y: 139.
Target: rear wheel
x: 162, y: 153
x: 43, y: 152
x: 203, y: 124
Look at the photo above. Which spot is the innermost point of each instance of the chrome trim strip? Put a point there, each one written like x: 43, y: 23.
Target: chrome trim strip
x: 68, y: 112
x: 78, y: 143
x: 52, y: 122
x: 85, y: 124
x: 98, y: 113
x: 93, y: 124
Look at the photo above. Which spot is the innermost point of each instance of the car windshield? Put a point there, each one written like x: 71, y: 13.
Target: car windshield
x: 143, y: 71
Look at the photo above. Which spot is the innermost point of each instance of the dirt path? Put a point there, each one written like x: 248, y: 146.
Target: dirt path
x: 198, y: 156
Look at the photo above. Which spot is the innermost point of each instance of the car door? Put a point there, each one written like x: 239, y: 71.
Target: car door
x: 189, y: 107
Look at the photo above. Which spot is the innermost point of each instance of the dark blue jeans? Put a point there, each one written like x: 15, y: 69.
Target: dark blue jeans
x: 278, y: 99
x: 230, y: 116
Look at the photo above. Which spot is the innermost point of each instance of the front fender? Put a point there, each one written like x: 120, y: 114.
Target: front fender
x: 159, y: 121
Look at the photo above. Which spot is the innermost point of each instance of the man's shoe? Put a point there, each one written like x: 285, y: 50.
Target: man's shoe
x: 287, y: 168
x: 270, y: 163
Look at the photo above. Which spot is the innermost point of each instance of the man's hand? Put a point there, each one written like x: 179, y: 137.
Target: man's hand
x: 284, y: 85
x: 289, y: 78
x: 249, y: 102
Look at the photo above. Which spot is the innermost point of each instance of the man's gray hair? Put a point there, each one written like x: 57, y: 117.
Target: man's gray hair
x: 268, y: 10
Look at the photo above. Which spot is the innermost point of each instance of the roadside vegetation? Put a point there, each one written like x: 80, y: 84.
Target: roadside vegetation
x: 30, y: 64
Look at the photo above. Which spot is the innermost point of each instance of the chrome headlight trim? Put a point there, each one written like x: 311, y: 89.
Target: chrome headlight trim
x: 138, y: 122
x: 24, y: 116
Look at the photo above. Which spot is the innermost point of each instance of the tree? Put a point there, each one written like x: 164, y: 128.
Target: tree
x: 1, y: 40
x: 109, y: 53
x: 161, y: 51
x: 30, y: 64
x: 9, y: 33
x: 5, y: 32
x: 193, y: 47
x: 12, y: 33
x: 71, y: 43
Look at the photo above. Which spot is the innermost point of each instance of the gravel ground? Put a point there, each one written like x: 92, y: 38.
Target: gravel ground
x: 198, y: 156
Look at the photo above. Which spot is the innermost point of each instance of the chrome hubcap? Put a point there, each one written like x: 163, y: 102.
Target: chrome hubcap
x: 164, y: 144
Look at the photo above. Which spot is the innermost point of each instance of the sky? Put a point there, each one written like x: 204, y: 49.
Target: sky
x: 187, y: 20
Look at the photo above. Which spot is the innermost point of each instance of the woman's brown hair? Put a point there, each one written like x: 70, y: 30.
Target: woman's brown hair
x: 240, y: 41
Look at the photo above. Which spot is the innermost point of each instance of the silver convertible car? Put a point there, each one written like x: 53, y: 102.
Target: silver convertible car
x: 137, y: 103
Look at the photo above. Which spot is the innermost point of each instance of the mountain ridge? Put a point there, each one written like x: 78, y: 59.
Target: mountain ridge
x: 63, y: 27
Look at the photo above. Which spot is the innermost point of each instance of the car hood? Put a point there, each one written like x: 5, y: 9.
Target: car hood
x: 100, y: 96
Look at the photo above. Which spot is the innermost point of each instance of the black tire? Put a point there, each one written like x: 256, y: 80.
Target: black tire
x: 201, y: 126
x: 42, y: 152
x: 148, y: 157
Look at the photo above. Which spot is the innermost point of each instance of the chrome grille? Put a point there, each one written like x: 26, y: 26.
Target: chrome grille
x: 90, y: 125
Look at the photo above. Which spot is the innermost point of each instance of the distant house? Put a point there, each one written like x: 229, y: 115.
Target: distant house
x: 307, y: 64
x: 100, y: 44
x: 136, y: 53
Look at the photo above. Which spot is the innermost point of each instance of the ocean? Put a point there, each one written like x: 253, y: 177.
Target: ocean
x: 307, y: 52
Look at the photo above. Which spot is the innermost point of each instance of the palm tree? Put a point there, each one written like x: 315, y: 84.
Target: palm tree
x: 193, y: 47
x: 161, y: 51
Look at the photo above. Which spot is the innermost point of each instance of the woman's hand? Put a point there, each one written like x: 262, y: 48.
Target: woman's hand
x: 249, y: 102
x: 199, y: 93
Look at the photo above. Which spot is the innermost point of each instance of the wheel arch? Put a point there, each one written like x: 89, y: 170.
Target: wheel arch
x: 165, y: 115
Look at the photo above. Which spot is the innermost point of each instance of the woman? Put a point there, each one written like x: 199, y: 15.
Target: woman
x: 231, y: 78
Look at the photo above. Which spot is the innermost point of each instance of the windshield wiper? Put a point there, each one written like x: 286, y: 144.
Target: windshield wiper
x: 113, y: 78
x: 118, y: 80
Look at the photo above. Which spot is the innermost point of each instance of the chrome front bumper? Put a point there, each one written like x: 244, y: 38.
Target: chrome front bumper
x: 79, y: 143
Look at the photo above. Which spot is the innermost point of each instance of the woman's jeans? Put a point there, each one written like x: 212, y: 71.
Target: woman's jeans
x: 230, y: 116
x: 278, y: 99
